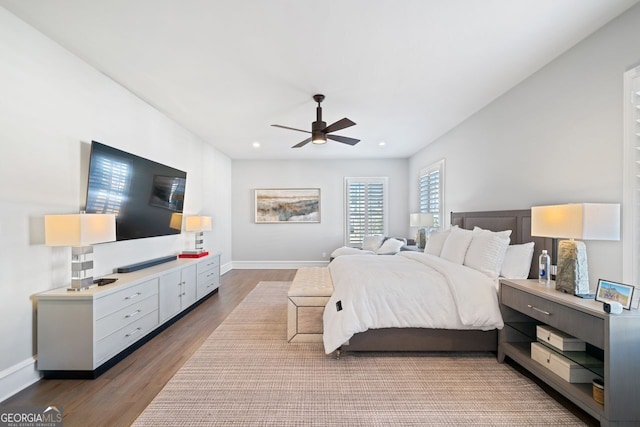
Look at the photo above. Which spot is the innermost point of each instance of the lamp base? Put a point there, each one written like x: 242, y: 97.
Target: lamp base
x: 573, y: 275
x: 422, y: 238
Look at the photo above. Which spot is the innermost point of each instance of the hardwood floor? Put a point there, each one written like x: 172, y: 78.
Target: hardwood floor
x: 118, y: 396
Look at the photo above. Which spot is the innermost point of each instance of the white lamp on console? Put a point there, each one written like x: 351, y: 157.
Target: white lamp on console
x: 420, y: 221
x: 198, y: 224
x: 80, y: 231
x: 586, y: 221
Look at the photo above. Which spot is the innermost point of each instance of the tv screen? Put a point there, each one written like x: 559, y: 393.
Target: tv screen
x: 147, y: 197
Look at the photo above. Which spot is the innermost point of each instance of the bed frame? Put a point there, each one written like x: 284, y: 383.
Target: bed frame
x: 420, y: 339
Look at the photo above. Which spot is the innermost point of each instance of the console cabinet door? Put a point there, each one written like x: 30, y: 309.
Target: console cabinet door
x: 188, y: 286
x: 170, y: 295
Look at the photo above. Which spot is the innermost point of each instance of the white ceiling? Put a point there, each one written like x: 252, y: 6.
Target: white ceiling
x: 406, y: 71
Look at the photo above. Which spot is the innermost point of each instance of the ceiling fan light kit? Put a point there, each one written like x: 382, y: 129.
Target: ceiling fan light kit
x: 320, y: 131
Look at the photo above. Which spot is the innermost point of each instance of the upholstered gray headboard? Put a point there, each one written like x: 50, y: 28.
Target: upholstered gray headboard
x: 518, y: 221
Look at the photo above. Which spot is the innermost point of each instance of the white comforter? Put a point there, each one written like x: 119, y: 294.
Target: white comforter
x: 410, y: 289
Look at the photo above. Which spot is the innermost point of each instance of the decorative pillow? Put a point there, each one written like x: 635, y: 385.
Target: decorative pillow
x: 390, y: 247
x: 517, y: 261
x: 456, y: 245
x: 372, y: 243
x: 346, y: 250
x: 435, y: 242
x: 404, y: 241
x: 486, y: 251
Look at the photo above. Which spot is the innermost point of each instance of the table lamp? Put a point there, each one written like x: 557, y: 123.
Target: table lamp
x: 586, y: 221
x: 420, y: 221
x: 199, y: 224
x: 80, y: 231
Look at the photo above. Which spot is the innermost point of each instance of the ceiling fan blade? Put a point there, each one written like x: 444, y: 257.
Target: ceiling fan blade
x: 287, y: 127
x: 343, y: 139
x: 302, y: 144
x: 340, y: 124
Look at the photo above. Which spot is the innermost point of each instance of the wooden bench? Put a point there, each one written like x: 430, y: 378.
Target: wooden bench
x: 309, y: 293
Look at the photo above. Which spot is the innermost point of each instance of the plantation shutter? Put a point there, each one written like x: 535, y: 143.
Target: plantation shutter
x: 366, y: 208
x: 431, y: 191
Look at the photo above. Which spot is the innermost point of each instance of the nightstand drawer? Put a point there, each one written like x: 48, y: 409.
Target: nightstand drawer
x: 574, y: 322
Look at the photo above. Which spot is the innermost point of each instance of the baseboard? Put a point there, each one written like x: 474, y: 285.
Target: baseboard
x: 226, y: 267
x: 18, y: 377
x: 276, y: 265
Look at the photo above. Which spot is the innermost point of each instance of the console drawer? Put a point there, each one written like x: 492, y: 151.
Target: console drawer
x: 125, y: 316
x: 574, y: 322
x: 206, y: 287
x: 123, y: 338
x: 124, y: 298
x: 208, y: 265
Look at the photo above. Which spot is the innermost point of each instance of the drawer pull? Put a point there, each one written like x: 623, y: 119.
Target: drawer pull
x: 133, y: 314
x: 538, y: 309
x: 134, y: 332
x: 133, y: 296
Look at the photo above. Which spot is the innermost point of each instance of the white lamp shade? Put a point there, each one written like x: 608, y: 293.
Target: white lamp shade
x: 79, y: 229
x: 198, y: 223
x: 585, y: 221
x: 421, y: 220
x: 176, y: 221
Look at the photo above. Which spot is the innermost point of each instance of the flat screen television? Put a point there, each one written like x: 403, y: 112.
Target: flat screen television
x: 147, y: 197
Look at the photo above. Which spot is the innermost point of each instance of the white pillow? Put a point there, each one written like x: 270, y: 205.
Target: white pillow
x: 517, y: 261
x: 372, y: 243
x: 486, y: 251
x: 456, y: 245
x: 390, y: 247
x: 346, y: 250
x: 435, y: 242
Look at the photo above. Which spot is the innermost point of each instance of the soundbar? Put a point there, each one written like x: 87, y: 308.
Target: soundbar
x: 145, y: 264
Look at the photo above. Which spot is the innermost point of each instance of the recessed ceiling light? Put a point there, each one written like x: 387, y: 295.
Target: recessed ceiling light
x: 382, y: 143
x: 256, y: 145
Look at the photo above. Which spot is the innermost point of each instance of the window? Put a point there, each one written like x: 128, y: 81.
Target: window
x: 366, y: 204
x: 432, y: 192
x: 631, y: 181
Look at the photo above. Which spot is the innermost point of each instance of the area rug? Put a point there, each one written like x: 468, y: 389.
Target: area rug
x: 246, y: 373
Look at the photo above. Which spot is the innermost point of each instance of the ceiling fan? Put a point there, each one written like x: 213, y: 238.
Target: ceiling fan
x: 320, y: 131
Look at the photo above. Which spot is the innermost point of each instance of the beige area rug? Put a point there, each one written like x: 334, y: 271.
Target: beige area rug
x: 246, y: 373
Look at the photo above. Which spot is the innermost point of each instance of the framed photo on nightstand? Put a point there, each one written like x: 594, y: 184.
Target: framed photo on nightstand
x: 609, y: 292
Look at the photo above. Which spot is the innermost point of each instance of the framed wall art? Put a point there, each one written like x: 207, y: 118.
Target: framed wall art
x: 287, y: 205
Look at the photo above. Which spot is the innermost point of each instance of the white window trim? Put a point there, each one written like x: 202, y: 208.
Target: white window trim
x: 439, y: 165
x: 385, y: 201
x: 630, y: 182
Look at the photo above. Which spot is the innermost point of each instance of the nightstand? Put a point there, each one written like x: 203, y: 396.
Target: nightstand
x: 612, y: 340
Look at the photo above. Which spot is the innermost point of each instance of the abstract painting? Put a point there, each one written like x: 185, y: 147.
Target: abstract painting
x: 287, y: 205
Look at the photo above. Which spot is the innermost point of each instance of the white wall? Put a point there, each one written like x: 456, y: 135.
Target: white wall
x: 286, y: 245
x: 51, y: 106
x: 555, y: 138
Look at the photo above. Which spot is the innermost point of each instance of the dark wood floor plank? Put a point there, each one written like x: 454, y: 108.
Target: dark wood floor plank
x: 118, y: 396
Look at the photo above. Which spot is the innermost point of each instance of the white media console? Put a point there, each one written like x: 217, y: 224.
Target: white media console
x: 82, y: 334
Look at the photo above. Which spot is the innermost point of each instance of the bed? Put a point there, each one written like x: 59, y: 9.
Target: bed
x: 476, y: 333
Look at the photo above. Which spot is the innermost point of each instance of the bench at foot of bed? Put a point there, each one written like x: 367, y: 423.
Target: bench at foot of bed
x: 309, y: 293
